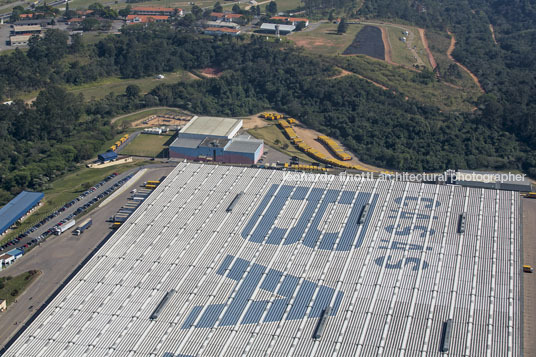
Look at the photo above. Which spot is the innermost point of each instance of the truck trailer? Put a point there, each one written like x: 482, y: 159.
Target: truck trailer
x: 64, y: 227
x: 82, y: 227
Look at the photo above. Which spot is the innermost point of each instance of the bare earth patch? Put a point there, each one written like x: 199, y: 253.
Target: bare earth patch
x: 492, y: 33
x: 309, y: 43
x: 210, y: 72
x: 425, y: 44
x: 386, y: 45
x: 254, y: 121
x: 159, y: 120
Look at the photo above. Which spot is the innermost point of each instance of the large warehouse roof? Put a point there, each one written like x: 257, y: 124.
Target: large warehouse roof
x: 18, y: 207
x: 212, y: 126
x: 229, y: 261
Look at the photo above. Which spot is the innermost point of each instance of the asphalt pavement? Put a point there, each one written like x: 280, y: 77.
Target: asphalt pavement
x: 63, y: 215
x: 60, y: 258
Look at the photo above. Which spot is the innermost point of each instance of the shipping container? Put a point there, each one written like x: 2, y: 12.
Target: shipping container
x: 82, y: 227
x: 64, y: 227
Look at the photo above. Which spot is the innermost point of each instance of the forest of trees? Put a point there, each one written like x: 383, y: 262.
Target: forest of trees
x: 41, y: 141
x: 507, y: 71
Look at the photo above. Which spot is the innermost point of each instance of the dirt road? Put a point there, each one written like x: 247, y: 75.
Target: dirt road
x: 492, y: 30
x: 386, y: 46
x: 347, y: 73
x: 424, y: 41
x: 449, y: 54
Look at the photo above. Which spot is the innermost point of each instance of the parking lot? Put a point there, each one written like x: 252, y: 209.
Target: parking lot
x: 59, y: 257
x: 69, y: 211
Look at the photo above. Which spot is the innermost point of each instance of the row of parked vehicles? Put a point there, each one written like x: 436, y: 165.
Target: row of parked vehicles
x: 78, y: 211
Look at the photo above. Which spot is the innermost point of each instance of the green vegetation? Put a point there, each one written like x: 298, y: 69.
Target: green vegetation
x: 324, y: 40
x: 382, y: 127
x: 65, y: 189
x: 505, y: 71
x: 448, y: 70
x: 399, y: 50
x: 147, y: 145
x: 409, y: 83
x: 273, y: 137
x: 124, y: 120
x: 12, y: 287
x: 102, y: 88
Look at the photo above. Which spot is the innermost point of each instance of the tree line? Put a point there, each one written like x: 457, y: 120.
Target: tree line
x: 46, y: 139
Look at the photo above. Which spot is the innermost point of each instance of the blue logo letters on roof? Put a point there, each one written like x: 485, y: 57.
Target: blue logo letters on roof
x: 254, y: 312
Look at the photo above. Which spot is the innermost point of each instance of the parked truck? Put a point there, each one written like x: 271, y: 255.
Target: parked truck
x: 82, y: 227
x: 64, y: 227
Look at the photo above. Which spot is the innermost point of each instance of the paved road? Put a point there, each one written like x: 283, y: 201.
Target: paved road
x: 529, y: 280
x: 70, y: 210
x: 58, y: 257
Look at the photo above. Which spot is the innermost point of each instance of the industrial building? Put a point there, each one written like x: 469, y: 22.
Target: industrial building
x: 236, y: 261
x: 18, y: 208
x: 291, y: 20
x: 225, y: 16
x: 278, y: 29
x: 214, y: 139
x: 155, y: 11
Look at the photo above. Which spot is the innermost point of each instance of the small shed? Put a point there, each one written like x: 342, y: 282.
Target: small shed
x: 107, y: 156
x: 6, y: 259
x: 15, y: 253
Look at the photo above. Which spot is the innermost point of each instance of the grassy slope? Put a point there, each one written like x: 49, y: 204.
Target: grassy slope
x: 18, y: 283
x: 439, y: 43
x: 321, y: 41
x: 270, y: 134
x: 400, y: 79
x: 146, y: 145
x: 401, y: 54
x: 324, y: 40
x: 65, y: 189
x: 99, y: 89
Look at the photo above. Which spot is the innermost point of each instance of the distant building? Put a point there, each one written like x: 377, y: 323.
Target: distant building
x: 271, y: 28
x: 222, y: 24
x: 10, y: 257
x: 32, y: 21
x: 74, y: 20
x: 222, y: 31
x: 17, y: 208
x: 19, y: 40
x: 84, y: 13
x: 213, y: 139
x: 143, y: 19
x: 145, y: 10
x: 15, y: 253
x: 5, y: 260
x: 225, y: 16
x: 292, y: 20
x: 26, y: 29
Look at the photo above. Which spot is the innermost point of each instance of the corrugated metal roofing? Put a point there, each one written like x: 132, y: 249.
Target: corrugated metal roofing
x: 247, y: 145
x: 283, y: 28
x: 187, y: 142
x: 211, y: 126
x: 254, y: 281
x: 17, y: 207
